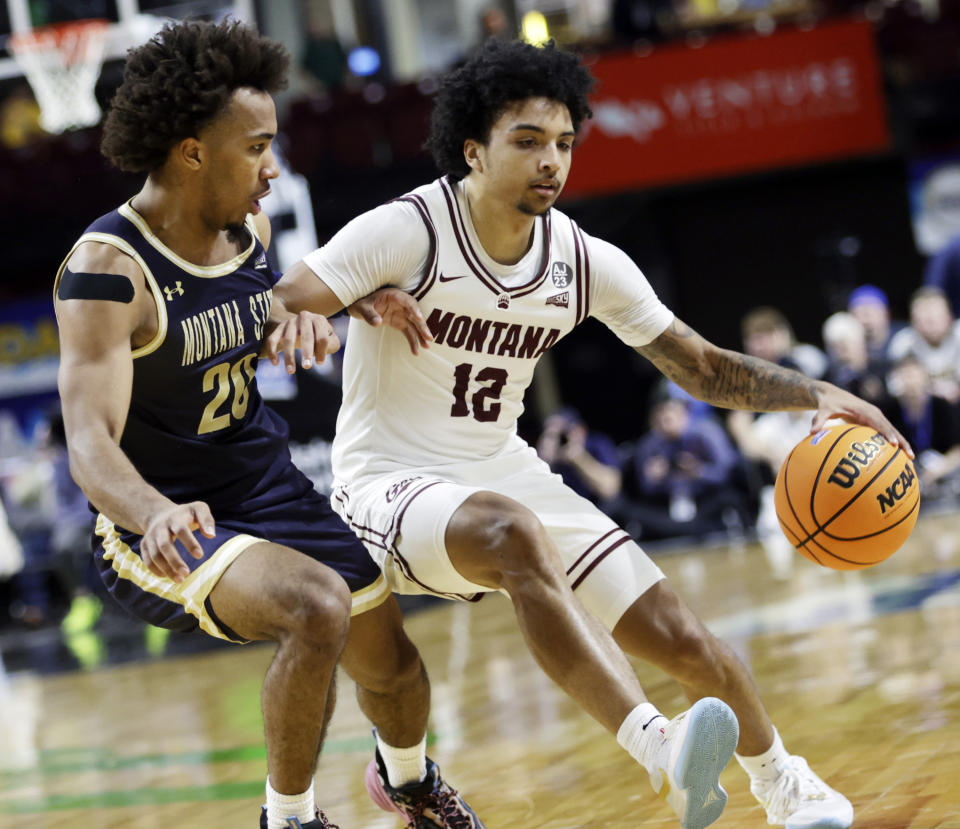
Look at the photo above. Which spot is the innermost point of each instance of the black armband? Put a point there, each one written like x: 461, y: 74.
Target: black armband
x: 109, y: 286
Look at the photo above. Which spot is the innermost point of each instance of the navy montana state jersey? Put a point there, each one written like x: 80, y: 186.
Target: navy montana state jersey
x: 197, y: 428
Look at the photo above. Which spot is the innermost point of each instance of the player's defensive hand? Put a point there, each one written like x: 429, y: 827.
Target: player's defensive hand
x: 399, y: 310
x: 158, y: 546
x: 836, y: 402
x: 311, y: 333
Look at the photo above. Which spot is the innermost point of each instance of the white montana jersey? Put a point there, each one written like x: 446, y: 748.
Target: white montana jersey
x: 460, y: 399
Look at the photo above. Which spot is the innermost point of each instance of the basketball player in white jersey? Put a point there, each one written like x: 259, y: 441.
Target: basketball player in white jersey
x: 429, y: 469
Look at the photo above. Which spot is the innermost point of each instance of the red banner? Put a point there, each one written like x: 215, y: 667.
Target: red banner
x: 734, y: 105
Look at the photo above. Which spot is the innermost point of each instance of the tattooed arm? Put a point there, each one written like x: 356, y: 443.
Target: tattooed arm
x: 737, y: 381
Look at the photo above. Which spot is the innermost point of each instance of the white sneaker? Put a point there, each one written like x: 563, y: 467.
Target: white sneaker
x: 695, y: 748
x: 798, y: 799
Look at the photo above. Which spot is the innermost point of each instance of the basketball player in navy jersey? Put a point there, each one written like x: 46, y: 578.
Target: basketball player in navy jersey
x: 204, y: 522
x: 429, y: 442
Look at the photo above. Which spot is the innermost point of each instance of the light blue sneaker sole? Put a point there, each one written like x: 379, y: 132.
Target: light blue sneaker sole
x: 711, y: 739
x: 822, y: 823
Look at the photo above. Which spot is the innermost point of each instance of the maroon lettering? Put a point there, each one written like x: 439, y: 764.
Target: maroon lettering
x: 510, y: 342
x: 551, y: 338
x: 458, y: 331
x: 531, y: 339
x: 497, y: 331
x: 478, y: 333
x: 439, y: 323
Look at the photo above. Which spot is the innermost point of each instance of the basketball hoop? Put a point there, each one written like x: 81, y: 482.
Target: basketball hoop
x: 62, y: 63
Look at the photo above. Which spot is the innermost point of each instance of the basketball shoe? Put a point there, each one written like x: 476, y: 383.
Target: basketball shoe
x: 321, y: 821
x: 689, y: 754
x: 799, y: 799
x: 429, y: 804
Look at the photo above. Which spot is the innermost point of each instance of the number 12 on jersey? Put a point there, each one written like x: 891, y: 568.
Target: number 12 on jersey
x: 484, y: 405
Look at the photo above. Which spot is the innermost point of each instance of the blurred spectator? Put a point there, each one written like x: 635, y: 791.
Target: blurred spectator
x: 870, y: 306
x: 323, y: 58
x: 943, y: 272
x: 931, y: 424
x: 848, y: 362
x: 20, y: 118
x: 11, y: 552
x: 651, y: 20
x: 677, y: 480
x: 494, y: 23
x: 768, y: 334
x: 697, y: 408
x: 54, y: 525
x: 766, y: 441
x: 933, y: 337
x: 588, y: 461
x: 28, y: 497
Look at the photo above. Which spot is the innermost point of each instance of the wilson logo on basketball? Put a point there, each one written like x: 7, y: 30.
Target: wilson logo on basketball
x: 848, y: 469
x: 896, y: 490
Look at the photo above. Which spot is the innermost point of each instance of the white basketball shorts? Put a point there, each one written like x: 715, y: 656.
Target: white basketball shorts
x: 402, y: 518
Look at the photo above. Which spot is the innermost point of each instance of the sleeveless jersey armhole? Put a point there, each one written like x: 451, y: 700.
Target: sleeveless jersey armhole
x: 125, y: 247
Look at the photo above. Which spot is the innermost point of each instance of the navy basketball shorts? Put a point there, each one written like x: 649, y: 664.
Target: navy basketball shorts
x: 306, y: 524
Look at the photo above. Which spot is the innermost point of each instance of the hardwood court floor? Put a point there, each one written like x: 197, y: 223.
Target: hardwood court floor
x: 861, y: 671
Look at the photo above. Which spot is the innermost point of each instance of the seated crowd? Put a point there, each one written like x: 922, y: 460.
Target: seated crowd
x: 694, y: 471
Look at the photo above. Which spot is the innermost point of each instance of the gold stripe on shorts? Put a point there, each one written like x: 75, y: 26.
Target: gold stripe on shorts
x: 369, y: 597
x: 191, y: 594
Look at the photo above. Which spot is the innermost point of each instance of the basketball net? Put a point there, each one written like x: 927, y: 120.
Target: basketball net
x: 62, y: 63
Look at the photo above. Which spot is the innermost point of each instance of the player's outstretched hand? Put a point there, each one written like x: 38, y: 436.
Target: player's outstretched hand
x: 835, y: 402
x: 399, y: 310
x: 311, y: 333
x: 158, y: 546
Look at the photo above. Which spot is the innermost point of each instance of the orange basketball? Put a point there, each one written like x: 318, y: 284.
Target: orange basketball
x: 846, y: 498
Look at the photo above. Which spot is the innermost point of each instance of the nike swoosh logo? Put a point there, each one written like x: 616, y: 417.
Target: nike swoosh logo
x: 451, y: 278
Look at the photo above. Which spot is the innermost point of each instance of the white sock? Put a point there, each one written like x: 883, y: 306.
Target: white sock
x: 283, y: 806
x: 767, y: 766
x: 636, y: 731
x: 404, y: 765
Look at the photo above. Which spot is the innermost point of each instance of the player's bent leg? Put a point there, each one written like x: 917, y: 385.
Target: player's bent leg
x: 496, y: 542
x: 394, y: 693
x: 500, y: 542
x: 272, y: 592
x: 392, y: 686
x: 661, y: 629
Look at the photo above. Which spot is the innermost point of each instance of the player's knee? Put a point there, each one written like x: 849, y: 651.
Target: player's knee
x: 317, y: 610
x: 516, y: 536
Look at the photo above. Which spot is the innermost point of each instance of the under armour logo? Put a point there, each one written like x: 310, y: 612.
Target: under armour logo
x: 177, y: 289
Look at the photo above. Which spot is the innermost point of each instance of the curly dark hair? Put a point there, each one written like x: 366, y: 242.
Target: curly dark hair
x: 179, y: 81
x: 473, y: 97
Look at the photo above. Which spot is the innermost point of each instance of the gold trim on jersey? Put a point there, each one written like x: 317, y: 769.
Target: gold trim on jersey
x: 369, y: 597
x: 191, y: 594
x: 205, y: 271
x: 125, y: 247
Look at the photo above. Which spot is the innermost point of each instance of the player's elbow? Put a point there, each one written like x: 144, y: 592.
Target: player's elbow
x: 78, y: 471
